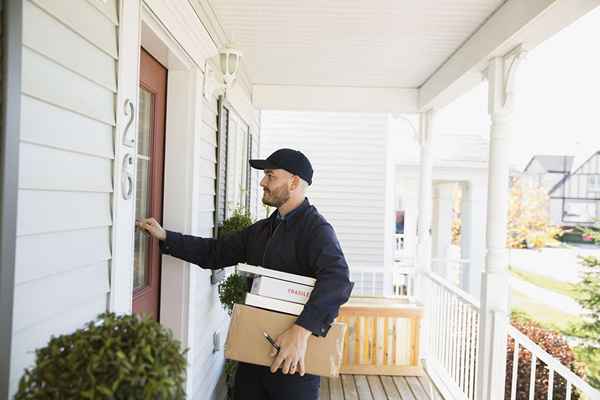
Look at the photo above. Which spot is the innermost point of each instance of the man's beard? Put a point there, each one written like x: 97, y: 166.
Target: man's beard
x: 276, y: 198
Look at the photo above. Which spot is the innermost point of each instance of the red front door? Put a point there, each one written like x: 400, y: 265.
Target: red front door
x: 149, y: 186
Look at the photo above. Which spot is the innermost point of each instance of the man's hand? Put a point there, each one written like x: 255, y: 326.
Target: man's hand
x: 293, y: 349
x: 151, y: 226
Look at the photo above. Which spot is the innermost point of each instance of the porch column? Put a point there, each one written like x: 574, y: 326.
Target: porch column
x: 442, y: 225
x: 494, y: 291
x: 424, y: 220
x: 425, y: 200
x: 472, y: 234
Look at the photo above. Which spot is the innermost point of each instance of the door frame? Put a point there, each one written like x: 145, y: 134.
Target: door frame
x: 12, y: 21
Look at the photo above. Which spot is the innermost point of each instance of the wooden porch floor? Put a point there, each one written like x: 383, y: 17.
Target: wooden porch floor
x: 378, y: 387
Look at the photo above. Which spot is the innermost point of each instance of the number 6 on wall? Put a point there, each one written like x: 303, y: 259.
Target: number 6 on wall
x: 127, y: 176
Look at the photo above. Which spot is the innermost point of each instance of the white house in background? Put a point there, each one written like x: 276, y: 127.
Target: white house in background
x: 112, y: 110
x: 574, y: 192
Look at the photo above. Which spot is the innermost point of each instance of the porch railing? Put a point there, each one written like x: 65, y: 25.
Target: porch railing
x: 452, y: 321
x: 540, y: 358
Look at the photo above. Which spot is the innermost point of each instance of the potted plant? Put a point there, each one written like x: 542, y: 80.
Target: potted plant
x: 114, y: 357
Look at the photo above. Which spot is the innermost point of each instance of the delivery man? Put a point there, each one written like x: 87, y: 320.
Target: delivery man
x: 295, y: 239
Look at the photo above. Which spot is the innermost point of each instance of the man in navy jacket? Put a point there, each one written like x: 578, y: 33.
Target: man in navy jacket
x: 295, y: 239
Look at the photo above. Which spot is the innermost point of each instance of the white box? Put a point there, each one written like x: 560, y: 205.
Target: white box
x: 273, y: 304
x: 282, y: 290
x: 285, y: 276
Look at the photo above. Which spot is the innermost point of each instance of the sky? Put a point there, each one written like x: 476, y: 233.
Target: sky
x: 557, y: 107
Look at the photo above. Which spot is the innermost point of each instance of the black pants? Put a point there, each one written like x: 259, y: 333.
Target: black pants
x: 254, y: 382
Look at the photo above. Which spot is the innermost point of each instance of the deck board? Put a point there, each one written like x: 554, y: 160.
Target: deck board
x: 403, y: 388
x: 378, y: 387
x: 362, y: 387
x: 390, y: 388
x: 350, y: 392
x: 335, y: 389
x: 324, y: 390
x: 416, y: 387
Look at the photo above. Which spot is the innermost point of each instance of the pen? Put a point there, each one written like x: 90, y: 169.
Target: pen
x: 270, y: 339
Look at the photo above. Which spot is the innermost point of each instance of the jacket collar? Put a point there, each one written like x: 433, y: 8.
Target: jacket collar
x: 293, y: 216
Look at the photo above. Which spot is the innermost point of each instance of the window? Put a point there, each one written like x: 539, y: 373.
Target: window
x: 233, y: 184
x: 593, y: 183
x: 221, y: 167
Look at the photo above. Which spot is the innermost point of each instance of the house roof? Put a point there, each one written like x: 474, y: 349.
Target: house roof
x: 569, y: 175
x: 549, y: 163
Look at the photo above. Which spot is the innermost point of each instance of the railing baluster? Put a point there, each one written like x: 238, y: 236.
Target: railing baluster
x: 464, y: 340
x: 515, y: 369
x: 470, y: 361
x: 532, y: 376
x: 550, y: 382
x: 569, y: 390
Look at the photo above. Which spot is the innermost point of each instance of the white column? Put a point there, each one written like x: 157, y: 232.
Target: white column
x: 441, y: 226
x: 424, y: 220
x: 425, y: 196
x: 472, y: 234
x: 494, y: 290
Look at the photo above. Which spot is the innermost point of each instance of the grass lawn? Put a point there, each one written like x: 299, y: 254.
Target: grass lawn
x: 545, y: 282
x: 547, y: 316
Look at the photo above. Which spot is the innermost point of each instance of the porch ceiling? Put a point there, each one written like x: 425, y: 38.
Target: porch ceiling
x: 375, y: 43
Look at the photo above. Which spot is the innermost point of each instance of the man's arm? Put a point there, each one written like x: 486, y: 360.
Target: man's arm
x: 333, y: 286
x: 204, y: 252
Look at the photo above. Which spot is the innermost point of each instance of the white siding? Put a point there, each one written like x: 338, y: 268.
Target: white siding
x: 65, y: 173
x: 348, y: 154
x: 207, y: 312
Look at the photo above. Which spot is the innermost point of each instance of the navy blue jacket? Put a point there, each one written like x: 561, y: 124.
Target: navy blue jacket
x: 301, y: 243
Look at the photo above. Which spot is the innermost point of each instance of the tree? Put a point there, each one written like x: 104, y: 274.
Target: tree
x: 589, y: 298
x: 528, y: 217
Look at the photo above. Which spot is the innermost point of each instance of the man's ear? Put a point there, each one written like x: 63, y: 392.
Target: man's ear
x: 294, y: 182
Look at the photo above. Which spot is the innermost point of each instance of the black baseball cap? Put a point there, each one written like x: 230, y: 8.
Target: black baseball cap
x: 292, y: 161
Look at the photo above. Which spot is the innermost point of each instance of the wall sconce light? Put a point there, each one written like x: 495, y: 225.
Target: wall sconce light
x: 229, y: 63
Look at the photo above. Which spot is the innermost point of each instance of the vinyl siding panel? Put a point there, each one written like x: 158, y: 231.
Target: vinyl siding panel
x: 45, y: 35
x: 51, y: 169
x: 64, y: 129
x: 348, y: 154
x: 64, y: 220
x: 50, y: 257
x: 45, y: 80
x: 86, y: 20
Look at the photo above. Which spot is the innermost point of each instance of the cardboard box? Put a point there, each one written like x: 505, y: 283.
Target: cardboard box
x: 246, y: 342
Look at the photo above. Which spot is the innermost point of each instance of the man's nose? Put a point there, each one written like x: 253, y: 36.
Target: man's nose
x: 262, y: 183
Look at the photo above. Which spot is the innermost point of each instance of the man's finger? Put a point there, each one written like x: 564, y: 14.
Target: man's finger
x: 287, y: 363
x: 277, y: 363
x: 301, y: 370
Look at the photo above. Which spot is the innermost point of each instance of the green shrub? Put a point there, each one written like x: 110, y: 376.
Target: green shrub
x: 238, y: 221
x: 232, y: 291
x: 115, y: 357
x: 555, y: 345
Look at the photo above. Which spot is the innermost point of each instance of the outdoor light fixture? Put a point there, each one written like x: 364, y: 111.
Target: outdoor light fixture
x: 229, y: 63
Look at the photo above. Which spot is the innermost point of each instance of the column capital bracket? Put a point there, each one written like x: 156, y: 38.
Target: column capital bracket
x: 501, y: 74
x: 426, y: 127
